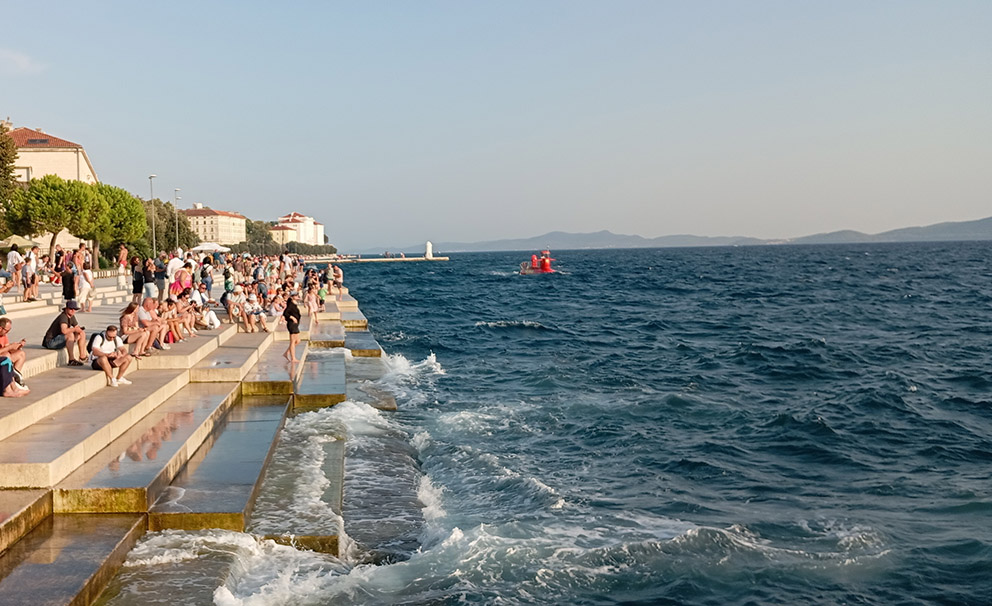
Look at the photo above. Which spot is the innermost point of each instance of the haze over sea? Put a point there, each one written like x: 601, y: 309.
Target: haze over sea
x: 760, y: 425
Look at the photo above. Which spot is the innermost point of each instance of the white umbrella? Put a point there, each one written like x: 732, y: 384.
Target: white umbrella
x: 210, y: 247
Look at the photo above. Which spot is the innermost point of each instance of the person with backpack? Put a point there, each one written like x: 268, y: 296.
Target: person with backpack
x: 107, y: 352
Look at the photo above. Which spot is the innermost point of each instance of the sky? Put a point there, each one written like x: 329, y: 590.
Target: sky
x: 395, y: 122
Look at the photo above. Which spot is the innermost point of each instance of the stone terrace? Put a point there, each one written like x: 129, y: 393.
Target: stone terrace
x: 86, y: 469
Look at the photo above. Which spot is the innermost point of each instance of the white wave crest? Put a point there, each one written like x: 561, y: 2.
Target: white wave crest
x: 511, y: 324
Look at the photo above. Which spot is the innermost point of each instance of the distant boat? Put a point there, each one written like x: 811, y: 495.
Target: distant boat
x: 537, y: 265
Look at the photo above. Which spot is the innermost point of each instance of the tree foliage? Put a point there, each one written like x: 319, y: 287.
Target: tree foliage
x: 127, y: 216
x: 162, y: 216
x: 8, y: 188
x: 51, y: 204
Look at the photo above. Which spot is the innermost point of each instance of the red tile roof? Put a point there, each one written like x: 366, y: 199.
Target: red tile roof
x: 209, y: 212
x: 281, y: 228
x: 35, y: 139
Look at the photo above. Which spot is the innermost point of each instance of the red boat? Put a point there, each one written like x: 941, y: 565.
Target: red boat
x: 538, y: 265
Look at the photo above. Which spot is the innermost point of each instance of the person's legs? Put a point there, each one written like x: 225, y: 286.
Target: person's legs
x: 17, y: 358
x: 102, y: 363
x: 122, y: 362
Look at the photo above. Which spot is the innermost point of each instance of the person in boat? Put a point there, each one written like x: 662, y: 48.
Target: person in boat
x: 534, y: 263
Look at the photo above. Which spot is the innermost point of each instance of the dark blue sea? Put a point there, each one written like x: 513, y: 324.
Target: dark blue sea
x: 716, y: 426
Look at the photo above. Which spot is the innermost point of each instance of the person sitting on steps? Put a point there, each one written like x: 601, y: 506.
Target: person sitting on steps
x: 66, y: 332
x: 108, y: 351
x: 13, y: 351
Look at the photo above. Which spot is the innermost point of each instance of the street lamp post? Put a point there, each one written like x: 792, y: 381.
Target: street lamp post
x: 175, y: 208
x: 151, y: 197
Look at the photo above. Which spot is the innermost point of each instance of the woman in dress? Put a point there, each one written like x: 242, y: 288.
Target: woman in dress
x: 292, y: 316
x: 132, y: 333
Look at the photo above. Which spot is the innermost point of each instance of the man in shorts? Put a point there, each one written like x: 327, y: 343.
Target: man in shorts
x: 66, y: 332
x: 108, y: 352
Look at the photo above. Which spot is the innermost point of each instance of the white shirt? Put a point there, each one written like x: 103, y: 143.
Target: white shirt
x: 170, y: 270
x: 13, y: 258
x: 105, y: 345
x: 144, y: 316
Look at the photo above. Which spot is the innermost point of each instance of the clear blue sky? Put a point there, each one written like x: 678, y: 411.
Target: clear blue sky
x: 394, y: 122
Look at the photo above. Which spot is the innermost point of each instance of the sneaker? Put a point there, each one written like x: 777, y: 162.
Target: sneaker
x: 123, y: 381
x: 112, y: 383
x: 166, y: 346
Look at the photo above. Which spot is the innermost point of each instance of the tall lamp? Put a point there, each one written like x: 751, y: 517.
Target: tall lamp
x: 151, y: 196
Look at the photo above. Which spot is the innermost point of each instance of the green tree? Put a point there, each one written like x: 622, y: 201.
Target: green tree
x: 127, y: 216
x: 95, y: 224
x: 51, y: 204
x: 8, y: 188
x: 165, y: 222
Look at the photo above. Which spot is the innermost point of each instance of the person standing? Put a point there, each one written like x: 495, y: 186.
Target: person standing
x: 161, y: 275
x: 31, y: 274
x: 68, y: 283
x: 137, y: 279
x: 85, y: 288
x: 338, y: 281
x: 292, y: 316
x: 122, y: 267
x: 15, y: 263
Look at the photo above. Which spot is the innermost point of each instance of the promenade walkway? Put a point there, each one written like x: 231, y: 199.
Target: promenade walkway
x: 86, y: 469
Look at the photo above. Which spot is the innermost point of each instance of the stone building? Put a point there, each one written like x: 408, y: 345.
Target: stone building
x: 218, y: 226
x: 307, y: 230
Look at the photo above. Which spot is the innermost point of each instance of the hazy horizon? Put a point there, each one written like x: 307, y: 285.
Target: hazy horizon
x: 445, y: 121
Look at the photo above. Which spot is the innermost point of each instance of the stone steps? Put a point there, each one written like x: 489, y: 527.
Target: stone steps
x: 50, y: 392
x: 44, y: 453
x: 218, y: 486
x: 273, y: 373
x: 188, y: 353
x: 322, y: 381
x: 354, y: 320
x: 183, y: 447
x: 362, y: 344
x: 231, y: 361
x: 328, y: 334
x: 20, y: 512
x: 67, y: 559
x: 131, y: 472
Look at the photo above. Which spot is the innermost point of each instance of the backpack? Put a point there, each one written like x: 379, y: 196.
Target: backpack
x: 203, y: 272
x: 89, y: 344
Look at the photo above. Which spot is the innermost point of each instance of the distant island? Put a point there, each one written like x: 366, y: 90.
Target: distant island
x: 980, y: 229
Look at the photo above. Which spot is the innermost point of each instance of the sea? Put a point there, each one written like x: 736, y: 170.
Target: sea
x: 711, y: 426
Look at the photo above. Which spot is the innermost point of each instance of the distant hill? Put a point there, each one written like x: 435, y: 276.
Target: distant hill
x: 980, y: 229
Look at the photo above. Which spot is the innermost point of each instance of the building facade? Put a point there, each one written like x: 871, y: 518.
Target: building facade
x: 218, y: 226
x: 306, y: 229
x: 40, y: 154
x: 283, y: 235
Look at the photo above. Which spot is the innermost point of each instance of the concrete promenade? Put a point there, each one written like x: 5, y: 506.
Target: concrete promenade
x: 86, y: 469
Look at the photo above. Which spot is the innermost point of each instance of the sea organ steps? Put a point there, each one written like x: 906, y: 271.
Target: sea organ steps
x: 90, y: 487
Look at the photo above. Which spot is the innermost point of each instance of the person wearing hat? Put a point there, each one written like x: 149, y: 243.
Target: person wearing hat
x: 254, y: 312
x: 236, y: 305
x: 66, y: 332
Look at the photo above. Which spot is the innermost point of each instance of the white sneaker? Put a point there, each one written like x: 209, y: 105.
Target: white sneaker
x: 166, y: 346
x: 113, y: 383
x: 123, y: 381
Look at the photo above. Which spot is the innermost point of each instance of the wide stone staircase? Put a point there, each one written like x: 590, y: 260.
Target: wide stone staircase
x: 86, y: 469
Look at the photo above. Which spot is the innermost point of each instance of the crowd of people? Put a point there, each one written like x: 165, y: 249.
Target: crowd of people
x: 172, y: 300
